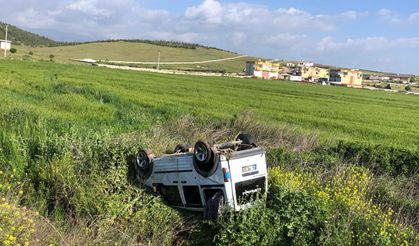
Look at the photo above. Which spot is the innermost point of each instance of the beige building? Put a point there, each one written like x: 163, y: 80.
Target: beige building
x: 348, y: 77
x: 315, y: 73
x: 264, y: 69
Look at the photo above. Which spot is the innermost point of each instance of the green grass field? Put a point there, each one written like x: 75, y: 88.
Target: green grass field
x: 126, y: 100
x: 141, y: 52
x: 342, y: 161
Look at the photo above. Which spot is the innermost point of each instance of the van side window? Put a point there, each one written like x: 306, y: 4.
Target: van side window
x: 192, y: 196
x: 170, y: 193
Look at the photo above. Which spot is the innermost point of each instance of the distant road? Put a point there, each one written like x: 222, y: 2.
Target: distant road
x: 166, y: 71
x: 175, y: 63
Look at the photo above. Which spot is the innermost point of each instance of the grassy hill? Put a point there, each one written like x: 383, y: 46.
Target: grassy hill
x: 343, y: 162
x: 19, y: 36
x: 31, y: 46
x: 137, y: 51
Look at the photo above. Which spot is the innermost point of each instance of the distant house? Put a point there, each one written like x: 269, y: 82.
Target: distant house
x: 295, y: 78
x: 263, y: 69
x: 348, y: 77
x: 397, y: 78
x: 250, y: 68
x: 290, y: 71
x: 374, y: 77
x: 315, y: 73
x: 306, y: 64
x: 366, y: 76
x: 402, y: 78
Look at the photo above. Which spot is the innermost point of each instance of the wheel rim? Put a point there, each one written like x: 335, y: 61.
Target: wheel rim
x: 142, y: 160
x: 201, y: 153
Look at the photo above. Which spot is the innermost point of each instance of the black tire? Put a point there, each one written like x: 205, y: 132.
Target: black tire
x: 144, y: 163
x: 204, y: 159
x: 214, y: 206
x: 132, y: 169
x: 247, y: 140
x: 182, y: 148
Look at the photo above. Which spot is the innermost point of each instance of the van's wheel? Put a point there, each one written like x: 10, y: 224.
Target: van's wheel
x: 143, y: 163
x: 182, y: 148
x: 205, y: 161
x: 214, y: 206
x: 202, y: 152
x: 247, y: 140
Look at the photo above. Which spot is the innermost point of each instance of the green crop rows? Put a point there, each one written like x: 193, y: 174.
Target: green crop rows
x: 98, y: 98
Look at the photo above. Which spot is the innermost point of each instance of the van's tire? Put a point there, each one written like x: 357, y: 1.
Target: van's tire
x: 144, y: 163
x: 247, y: 140
x: 182, y: 148
x: 214, y: 206
x: 204, y: 159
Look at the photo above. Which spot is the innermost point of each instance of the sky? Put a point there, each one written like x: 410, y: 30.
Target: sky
x: 369, y: 34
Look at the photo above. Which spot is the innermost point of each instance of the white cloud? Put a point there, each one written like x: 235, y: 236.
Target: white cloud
x: 242, y: 27
x: 211, y: 10
x: 384, y: 60
x: 241, y: 16
x: 101, y: 19
x: 295, y: 18
x: 329, y: 44
x: 353, y: 15
x: 238, y: 38
x: 89, y: 7
x: 285, y: 38
x: 414, y: 16
x: 32, y: 18
x: 189, y: 37
x: 394, y: 18
x: 389, y: 16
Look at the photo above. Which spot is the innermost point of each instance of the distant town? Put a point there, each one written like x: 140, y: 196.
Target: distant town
x: 317, y: 73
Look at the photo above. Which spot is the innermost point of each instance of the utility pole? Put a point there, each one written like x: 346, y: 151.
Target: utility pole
x: 5, y: 43
x: 158, y: 61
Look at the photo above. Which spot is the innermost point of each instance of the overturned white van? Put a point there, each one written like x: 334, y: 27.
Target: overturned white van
x: 207, y: 177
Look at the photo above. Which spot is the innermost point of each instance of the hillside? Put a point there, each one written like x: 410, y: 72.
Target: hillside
x: 138, y: 51
x: 31, y: 46
x: 19, y: 36
x: 343, y: 163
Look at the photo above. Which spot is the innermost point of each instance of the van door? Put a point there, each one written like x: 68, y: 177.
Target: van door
x: 248, y: 174
x: 188, y: 181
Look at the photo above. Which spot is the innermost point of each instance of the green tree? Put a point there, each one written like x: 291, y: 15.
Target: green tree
x: 13, y: 50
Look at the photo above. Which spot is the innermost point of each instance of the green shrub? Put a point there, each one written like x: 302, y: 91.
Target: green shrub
x: 331, y: 211
x: 255, y: 226
x: 17, y: 224
x: 382, y: 159
x: 82, y: 176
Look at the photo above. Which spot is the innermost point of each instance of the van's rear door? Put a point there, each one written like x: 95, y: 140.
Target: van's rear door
x: 248, y: 173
